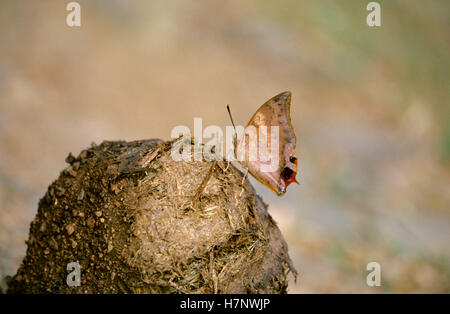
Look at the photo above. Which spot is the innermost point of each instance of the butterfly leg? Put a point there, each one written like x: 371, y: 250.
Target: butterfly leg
x: 245, y: 176
x: 243, y: 180
x: 203, y: 185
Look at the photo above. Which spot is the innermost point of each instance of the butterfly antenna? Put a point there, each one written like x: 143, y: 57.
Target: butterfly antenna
x: 232, y: 122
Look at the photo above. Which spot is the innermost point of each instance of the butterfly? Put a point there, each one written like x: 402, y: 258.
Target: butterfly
x: 274, y: 112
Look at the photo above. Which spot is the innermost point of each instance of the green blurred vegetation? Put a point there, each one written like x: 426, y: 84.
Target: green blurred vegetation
x: 412, y: 47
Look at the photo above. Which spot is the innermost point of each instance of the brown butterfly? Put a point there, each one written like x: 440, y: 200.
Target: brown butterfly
x: 275, y: 112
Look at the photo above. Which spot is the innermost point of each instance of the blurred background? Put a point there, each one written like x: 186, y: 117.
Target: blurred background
x: 370, y: 108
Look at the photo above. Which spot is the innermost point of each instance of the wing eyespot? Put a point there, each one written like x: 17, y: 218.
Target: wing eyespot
x: 287, y: 173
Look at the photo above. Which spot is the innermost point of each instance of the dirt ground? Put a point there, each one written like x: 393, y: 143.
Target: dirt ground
x: 128, y: 215
x: 369, y: 107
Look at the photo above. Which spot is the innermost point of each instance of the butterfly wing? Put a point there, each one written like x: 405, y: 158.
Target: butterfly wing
x: 276, y: 112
